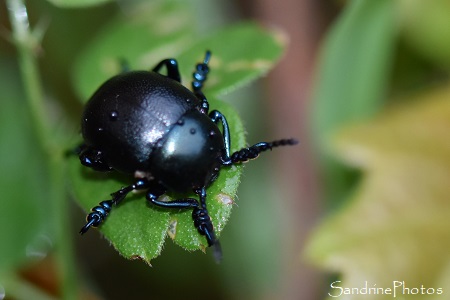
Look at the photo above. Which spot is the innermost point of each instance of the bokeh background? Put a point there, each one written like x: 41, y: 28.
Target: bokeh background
x: 363, y: 199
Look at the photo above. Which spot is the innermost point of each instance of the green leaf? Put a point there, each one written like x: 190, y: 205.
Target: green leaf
x: 137, y: 229
x: 397, y: 225
x: 77, y: 3
x: 354, y: 65
x: 352, y: 79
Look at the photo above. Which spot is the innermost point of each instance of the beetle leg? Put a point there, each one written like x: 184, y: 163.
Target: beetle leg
x: 202, y: 222
x: 245, y: 154
x: 217, y: 116
x: 155, y: 190
x: 92, y: 158
x: 100, y: 212
x: 140, y: 184
x: 172, y: 68
x: 199, y: 77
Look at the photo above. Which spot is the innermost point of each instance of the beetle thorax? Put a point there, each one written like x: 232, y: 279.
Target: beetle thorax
x: 189, y: 155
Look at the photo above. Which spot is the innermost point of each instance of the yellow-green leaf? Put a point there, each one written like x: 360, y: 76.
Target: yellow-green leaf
x: 396, y: 227
x: 426, y: 28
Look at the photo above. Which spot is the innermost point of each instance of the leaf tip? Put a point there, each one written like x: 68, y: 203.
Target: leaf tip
x: 139, y: 257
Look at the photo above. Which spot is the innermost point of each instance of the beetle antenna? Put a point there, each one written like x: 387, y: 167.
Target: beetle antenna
x: 245, y: 154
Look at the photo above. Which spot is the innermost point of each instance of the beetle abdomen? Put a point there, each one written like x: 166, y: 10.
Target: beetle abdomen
x: 130, y: 113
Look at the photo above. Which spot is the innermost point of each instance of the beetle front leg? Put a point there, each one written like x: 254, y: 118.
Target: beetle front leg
x: 101, y: 211
x: 172, y: 69
x: 217, y: 116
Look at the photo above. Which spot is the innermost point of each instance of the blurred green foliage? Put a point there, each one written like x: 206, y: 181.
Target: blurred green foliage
x: 24, y: 181
x: 352, y: 79
x: 393, y: 222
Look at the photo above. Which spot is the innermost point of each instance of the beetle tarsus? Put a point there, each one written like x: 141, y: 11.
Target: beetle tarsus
x: 88, y: 225
x: 98, y: 215
x: 203, y: 223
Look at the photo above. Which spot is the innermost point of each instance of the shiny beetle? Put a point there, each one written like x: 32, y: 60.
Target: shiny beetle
x: 150, y: 126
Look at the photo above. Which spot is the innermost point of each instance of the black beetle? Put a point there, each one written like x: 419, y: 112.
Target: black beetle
x: 150, y: 126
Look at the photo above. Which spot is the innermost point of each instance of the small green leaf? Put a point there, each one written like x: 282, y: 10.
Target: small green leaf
x: 77, y: 3
x: 137, y: 229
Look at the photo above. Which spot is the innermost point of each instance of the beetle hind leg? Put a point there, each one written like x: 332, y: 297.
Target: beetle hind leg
x: 200, y: 216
